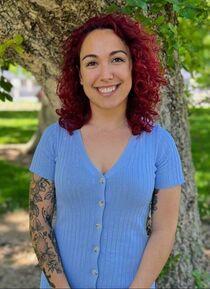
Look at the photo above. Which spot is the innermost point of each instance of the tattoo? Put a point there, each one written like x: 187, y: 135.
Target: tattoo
x: 154, y: 201
x: 153, y: 207
x: 41, y: 208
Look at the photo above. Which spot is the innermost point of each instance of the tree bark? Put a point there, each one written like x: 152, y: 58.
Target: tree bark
x: 44, y: 24
x: 46, y: 116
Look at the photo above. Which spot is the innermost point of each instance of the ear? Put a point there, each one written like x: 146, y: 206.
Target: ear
x: 80, y: 77
x: 131, y: 65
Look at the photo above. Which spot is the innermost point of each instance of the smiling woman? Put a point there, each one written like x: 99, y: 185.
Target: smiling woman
x: 106, y: 166
x: 108, y: 51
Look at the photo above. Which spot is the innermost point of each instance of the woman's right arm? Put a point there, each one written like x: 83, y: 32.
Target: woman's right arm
x: 41, y: 208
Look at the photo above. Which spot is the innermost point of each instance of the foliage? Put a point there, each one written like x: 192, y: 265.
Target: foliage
x: 170, y: 264
x: 202, y: 279
x: 15, y: 44
x: 185, y: 30
x: 199, y: 119
x: 19, y: 70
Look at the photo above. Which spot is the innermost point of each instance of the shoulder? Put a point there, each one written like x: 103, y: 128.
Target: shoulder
x: 159, y: 139
x: 166, y: 144
x: 158, y: 133
x: 54, y: 130
x: 51, y: 135
x: 162, y: 134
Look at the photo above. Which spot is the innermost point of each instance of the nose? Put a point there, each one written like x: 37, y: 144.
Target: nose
x: 106, y: 72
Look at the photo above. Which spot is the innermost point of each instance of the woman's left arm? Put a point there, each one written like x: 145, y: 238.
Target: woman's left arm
x: 165, y: 212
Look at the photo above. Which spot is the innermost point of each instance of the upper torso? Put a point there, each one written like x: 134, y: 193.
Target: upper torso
x: 104, y: 186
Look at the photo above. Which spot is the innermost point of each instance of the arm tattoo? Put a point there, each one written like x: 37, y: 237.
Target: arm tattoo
x: 41, y: 208
x: 154, y: 201
x: 153, y: 207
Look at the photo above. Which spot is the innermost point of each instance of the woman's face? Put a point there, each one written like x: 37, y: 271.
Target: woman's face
x: 105, y: 69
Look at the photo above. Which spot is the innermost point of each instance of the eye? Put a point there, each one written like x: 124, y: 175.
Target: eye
x: 91, y: 63
x: 121, y: 60
x: 88, y: 64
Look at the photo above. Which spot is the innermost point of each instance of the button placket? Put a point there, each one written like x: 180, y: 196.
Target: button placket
x: 102, y: 180
x: 98, y: 226
x: 94, y: 272
x: 96, y: 249
x: 101, y: 203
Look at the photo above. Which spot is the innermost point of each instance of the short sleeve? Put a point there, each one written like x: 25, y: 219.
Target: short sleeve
x: 43, y: 161
x: 168, y: 163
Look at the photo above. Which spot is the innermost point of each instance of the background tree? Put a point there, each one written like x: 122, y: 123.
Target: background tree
x: 44, y: 24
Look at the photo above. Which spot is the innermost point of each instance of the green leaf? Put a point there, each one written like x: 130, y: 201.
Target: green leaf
x: 9, y: 97
x: 127, y: 10
x: 189, y: 13
x: 18, y: 39
x: 146, y: 21
x: 111, y: 8
x: 4, y: 96
x: 19, y: 49
x: 172, y: 27
x: 2, y: 49
x: 160, y: 20
x: 137, y: 3
x: 6, y: 85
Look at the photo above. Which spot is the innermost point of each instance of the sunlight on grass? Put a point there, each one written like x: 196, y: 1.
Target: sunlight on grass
x: 17, y: 126
x: 200, y: 131
x: 14, y: 186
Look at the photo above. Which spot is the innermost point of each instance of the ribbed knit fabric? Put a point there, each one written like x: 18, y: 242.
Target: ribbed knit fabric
x: 101, y: 218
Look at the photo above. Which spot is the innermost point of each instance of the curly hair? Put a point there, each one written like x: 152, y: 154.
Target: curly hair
x: 147, y: 74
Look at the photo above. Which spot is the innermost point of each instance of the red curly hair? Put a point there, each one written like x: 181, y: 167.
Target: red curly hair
x: 147, y: 74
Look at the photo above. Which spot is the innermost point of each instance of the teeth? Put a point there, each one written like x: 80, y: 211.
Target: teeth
x: 106, y: 90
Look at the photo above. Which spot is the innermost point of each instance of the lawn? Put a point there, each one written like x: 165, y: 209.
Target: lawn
x: 18, y: 127
x: 200, y: 132
x: 14, y: 182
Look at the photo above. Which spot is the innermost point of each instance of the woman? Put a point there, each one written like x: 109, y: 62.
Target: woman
x: 106, y: 165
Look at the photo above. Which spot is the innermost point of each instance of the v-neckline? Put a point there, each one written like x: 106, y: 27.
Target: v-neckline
x: 92, y: 166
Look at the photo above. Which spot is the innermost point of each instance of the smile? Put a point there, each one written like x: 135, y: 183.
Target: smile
x: 107, y: 90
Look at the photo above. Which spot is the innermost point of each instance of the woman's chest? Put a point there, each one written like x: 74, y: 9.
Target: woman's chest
x: 104, y: 151
x: 130, y: 178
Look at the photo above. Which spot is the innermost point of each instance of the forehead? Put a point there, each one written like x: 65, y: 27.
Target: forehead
x: 102, y: 41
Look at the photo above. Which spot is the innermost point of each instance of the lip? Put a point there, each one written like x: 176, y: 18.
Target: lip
x: 108, y: 86
x: 108, y: 93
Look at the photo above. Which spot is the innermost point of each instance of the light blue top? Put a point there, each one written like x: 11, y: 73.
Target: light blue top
x: 101, y: 218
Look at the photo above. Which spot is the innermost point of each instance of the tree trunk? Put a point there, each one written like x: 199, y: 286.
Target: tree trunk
x: 46, y: 116
x: 44, y: 25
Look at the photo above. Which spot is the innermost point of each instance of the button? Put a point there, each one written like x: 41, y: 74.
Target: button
x: 98, y: 226
x: 94, y: 272
x: 101, y: 203
x: 96, y: 249
x: 102, y: 180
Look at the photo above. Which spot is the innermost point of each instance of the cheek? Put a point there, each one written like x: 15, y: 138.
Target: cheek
x: 124, y: 73
x: 90, y: 77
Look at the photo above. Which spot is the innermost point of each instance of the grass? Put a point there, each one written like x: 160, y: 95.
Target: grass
x: 200, y: 131
x: 14, y: 187
x: 15, y: 127
x: 18, y: 127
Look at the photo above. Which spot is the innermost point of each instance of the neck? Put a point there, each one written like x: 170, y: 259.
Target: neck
x: 103, y: 122
x: 108, y: 119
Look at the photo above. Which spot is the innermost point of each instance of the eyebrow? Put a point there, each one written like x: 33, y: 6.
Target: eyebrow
x: 113, y: 52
